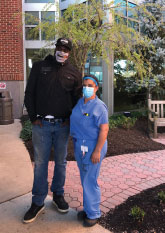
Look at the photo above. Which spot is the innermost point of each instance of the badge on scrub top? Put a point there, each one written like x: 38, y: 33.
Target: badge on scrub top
x: 84, y: 149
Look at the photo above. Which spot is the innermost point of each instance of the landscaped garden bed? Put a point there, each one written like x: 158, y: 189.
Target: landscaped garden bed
x: 128, y: 137
x: 123, y: 139
x: 151, y: 208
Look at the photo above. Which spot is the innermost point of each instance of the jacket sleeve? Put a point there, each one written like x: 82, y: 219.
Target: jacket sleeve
x: 77, y: 91
x: 30, y: 93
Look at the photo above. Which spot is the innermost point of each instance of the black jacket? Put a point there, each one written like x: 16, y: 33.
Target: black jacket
x: 52, y: 89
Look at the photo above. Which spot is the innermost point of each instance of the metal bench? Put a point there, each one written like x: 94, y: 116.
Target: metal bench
x: 156, y: 114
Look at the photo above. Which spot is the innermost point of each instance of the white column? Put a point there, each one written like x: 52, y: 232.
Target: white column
x: 107, y: 87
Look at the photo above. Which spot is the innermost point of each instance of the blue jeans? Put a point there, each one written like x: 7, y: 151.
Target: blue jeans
x: 43, y: 138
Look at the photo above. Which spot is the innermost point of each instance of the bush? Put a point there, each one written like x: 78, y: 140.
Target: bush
x: 26, y: 132
x: 161, y: 196
x: 128, y: 122
x: 139, y: 114
x: 121, y: 121
x: 137, y: 213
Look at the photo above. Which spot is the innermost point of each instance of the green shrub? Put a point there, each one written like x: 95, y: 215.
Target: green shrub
x: 137, y: 213
x: 26, y: 132
x: 139, y: 114
x: 121, y: 121
x: 129, y: 122
x: 161, y: 196
x: 112, y: 123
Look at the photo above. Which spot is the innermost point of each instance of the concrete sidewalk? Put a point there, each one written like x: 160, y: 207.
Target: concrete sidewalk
x: 49, y: 221
x: 16, y: 177
x: 16, y: 173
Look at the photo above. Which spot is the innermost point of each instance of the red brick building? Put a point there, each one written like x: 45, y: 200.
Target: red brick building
x: 11, y: 51
x: 18, y: 48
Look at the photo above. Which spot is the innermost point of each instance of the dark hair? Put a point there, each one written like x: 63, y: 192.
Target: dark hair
x: 92, y: 76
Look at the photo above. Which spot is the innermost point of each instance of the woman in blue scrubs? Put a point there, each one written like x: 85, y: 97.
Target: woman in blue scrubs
x: 89, y: 128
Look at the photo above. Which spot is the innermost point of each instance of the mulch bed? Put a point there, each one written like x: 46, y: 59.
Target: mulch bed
x: 118, y: 220
x: 120, y: 141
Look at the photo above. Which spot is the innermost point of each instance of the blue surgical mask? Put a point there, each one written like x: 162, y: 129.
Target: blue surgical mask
x: 88, y: 92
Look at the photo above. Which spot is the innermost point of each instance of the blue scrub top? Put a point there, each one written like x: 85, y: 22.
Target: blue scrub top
x: 86, y: 119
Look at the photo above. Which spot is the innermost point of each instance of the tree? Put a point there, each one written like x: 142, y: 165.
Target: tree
x: 91, y: 32
x: 94, y: 30
x: 152, y: 25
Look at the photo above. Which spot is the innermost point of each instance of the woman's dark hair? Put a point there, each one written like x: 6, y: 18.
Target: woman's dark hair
x: 92, y: 76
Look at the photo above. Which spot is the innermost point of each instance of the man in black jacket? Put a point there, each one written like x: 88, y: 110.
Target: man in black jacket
x: 53, y: 88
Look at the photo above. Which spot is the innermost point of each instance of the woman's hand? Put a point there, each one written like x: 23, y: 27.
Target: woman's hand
x: 95, y: 158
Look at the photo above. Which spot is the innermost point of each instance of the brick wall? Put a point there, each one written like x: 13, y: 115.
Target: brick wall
x: 11, y: 40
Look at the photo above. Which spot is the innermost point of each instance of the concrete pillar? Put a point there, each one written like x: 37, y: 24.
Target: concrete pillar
x: 107, y: 86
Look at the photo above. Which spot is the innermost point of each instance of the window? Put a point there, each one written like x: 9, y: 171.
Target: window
x: 33, y: 55
x: 32, y: 31
x: 163, y: 15
x: 133, y: 24
x: 131, y: 10
x: 62, y: 12
x: 121, y: 7
x: 62, y: 15
x: 39, y: 1
x: 31, y: 22
x: 47, y: 18
x: 89, y: 1
x: 119, y: 19
x: 126, y: 13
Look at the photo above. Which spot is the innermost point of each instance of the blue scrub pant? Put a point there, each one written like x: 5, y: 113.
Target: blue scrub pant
x: 89, y: 173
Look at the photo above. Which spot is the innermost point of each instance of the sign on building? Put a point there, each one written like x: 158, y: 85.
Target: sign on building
x: 2, y: 85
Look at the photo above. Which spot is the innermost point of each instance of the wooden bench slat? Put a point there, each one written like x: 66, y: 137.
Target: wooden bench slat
x: 156, y: 113
x: 157, y: 101
x: 162, y: 113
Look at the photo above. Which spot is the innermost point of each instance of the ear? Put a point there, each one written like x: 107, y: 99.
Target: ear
x: 97, y: 88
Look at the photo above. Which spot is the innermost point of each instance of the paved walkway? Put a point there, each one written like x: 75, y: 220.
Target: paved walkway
x: 16, y: 178
x: 120, y: 177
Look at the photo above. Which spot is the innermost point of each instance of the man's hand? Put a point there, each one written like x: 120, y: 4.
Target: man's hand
x: 95, y: 158
x: 37, y: 122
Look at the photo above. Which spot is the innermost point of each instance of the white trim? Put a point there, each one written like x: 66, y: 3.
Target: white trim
x: 37, y: 7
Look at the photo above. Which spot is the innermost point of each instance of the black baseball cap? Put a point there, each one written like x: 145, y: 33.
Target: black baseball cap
x: 64, y: 42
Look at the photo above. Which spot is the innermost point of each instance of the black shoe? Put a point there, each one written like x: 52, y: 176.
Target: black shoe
x: 81, y: 215
x: 60, y: 203
x: 32, y: 213
x: 90, y: 222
